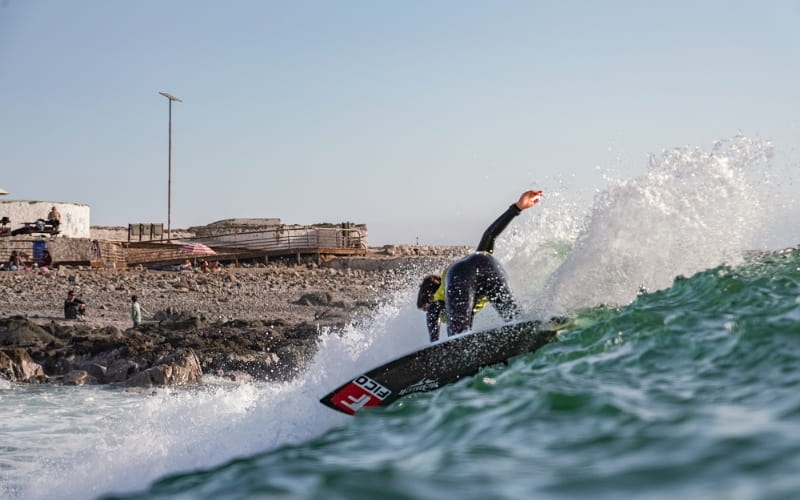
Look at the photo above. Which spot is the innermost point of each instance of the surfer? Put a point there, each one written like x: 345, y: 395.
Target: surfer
x: 468, y: 284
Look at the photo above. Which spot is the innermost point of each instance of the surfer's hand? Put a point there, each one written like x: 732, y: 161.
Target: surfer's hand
x: 529, y: 199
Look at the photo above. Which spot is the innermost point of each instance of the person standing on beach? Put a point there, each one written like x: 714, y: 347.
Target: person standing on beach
x: 136, y: 311
x: 467, y: 285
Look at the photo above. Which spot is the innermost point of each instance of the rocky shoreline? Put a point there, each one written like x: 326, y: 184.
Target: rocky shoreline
x: 249, y: 322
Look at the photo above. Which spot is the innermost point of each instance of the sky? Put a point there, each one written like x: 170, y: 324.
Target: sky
x: 423, y: 120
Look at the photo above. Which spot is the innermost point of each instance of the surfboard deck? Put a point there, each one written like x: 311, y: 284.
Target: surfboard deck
x: 437, y: 365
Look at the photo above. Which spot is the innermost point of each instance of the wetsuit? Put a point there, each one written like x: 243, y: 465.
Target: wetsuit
x: 472, y: 282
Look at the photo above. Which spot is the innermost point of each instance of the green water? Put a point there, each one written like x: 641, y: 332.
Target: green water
x: 692, y: 391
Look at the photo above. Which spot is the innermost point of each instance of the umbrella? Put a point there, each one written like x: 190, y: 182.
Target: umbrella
x: 3, y: 191
x: 197, y: 249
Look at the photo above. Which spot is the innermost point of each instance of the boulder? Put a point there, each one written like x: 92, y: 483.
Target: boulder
x: 178, y: 368
x: 78, y: 377
x: 16, y: 365
x: 18, y: 331
x: 121, y: 370
x: 256, y: 365
x: 315, y: 299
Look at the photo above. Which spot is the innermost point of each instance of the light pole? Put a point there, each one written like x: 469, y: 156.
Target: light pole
x: 169, y: 165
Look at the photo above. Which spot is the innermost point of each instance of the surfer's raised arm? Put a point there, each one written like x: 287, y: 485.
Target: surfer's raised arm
x: 526, y: 200
x: 468, y: 284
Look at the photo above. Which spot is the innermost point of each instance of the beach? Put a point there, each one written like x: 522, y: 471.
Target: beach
x: 244, y: 321
x: 245, y: 291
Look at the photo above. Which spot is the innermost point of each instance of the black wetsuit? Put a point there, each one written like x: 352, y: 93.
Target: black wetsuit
x: 476, y: 276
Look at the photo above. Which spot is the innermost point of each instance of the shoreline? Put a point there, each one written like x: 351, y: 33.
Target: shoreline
x: 253, y: 321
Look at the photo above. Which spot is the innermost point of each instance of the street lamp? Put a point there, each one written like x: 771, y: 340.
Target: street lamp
x: 169, y: 165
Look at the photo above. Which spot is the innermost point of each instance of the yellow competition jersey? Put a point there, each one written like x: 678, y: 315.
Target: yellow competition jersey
x: 440, y: 294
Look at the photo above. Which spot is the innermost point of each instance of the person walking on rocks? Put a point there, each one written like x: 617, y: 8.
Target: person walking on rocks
x: 136, y: 311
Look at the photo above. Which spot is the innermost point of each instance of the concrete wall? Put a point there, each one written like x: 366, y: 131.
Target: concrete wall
x: 62, y: 249
x: 74, y: 216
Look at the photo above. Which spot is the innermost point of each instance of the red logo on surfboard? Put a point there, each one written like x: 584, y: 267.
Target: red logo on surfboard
x: 360, y: 393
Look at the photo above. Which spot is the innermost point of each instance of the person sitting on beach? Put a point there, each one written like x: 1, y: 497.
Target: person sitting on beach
x: 210, y: 267
x: 467, y: 285
x: 54, y: 218
x: 74, y: 308
x: 15, y: 262
x: 46, y: 261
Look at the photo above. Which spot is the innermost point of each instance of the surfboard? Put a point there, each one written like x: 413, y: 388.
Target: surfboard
x: 436, y: 365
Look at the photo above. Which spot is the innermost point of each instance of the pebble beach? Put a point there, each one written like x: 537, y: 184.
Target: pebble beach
x: 244, y: 320
x: 291, y: 293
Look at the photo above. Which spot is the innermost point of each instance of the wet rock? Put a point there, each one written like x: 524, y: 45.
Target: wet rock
x: 178, y: 368
x: 259, y: 366
x: 164, y: 354
x: 17, y: 365
x: 120, y: 371
x: 77, y: 377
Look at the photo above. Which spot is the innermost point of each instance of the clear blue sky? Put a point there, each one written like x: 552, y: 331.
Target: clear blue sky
x: 420, y: 119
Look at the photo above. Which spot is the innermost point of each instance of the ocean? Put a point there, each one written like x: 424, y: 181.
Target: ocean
x: 678, y: 379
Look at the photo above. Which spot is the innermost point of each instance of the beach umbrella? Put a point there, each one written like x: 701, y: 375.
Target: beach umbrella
x: 3, y: 191
x: 196, y: 249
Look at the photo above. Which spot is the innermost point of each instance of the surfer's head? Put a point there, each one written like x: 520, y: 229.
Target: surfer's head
x: 427, y: 289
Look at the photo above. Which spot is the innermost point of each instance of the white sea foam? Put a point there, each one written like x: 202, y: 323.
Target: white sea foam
x: 692, y: 210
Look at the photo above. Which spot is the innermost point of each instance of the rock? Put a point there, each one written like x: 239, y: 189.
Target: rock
x: 179, y: 368
x: 120, y: 371
x: 77, y: 377
x: 294, y: 359
x: 315, y: 299
x: 16, y: 365
x: 141, y: 379
x: 256, y: 365
x: 97, y: 371
x: 21, y: 332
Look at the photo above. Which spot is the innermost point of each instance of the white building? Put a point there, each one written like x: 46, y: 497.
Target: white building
x: 74, y: 216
